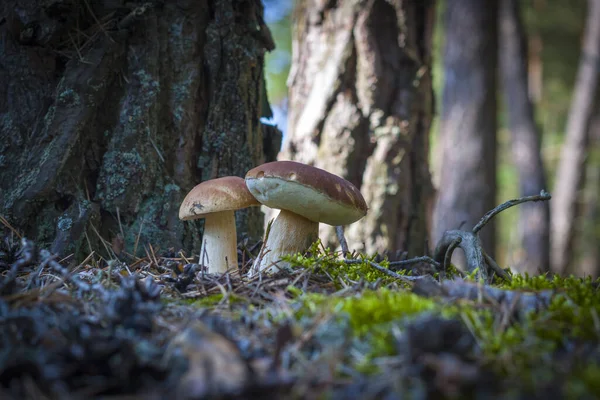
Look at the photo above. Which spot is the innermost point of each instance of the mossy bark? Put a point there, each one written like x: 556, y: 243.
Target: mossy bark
x: 115, y: 109
x: 361, y: 106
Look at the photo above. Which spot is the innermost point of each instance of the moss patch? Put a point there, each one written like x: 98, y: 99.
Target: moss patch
x: 520, y: 348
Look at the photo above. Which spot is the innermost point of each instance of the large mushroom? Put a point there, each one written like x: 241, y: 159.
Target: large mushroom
x: 216, y: 200
x: 306, y: 196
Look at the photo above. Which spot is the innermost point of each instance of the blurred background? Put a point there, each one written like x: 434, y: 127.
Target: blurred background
x: 514, y: 110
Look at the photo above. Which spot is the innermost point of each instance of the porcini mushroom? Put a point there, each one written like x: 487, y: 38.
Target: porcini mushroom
x: 216, y: 200
x: 306, y: 196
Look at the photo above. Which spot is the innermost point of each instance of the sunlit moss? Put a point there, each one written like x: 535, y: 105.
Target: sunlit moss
x: 521, y: 347
x: 369, y: 313
x: 323, y: 260
x: 384, y: 305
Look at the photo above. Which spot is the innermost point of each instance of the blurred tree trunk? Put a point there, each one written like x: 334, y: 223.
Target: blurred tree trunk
x: 467, y: 188
x: 589, y: 234
x: 534, y: 220
x: 360, y: 107
x: 112, y: 110
x: 535, y: 65
x: 570, y: 172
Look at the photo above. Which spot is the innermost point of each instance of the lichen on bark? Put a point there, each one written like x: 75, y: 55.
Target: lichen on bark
x: 111, y: 129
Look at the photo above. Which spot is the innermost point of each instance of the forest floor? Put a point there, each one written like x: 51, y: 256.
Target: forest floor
x: 156, y: 328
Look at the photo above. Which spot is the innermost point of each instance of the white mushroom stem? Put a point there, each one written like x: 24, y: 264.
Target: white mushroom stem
x: 219, y: 242
x: 290, y: 233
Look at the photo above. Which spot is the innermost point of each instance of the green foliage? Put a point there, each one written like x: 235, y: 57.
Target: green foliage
x: 278, y: 62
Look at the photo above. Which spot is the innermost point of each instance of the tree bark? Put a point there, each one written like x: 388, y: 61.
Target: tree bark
x: 360, y: 106
x: 534, y: 221
x: 570, y: 172
x: 467, y: 188
x: 115, y: 109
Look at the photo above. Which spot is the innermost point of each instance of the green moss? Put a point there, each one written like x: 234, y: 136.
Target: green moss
x: 520, y: 348
x: 214, y: 300
x: 574, y: 309
x: 369, y: 314
x: 372, y: 308
x: 323, y: 260
x: 523, y: 349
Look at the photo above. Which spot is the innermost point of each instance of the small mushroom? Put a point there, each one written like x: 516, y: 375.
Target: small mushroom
x: 305, y: 195
x: 216, y: 200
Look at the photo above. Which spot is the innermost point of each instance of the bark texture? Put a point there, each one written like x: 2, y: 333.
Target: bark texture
x: 571, y: 167
x: 534, y: 220
x: 360, y: 106
x: 467, y: 188
x: 115, y: 109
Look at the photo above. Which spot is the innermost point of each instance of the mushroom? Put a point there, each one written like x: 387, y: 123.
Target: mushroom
x: 216, y: 200
x: 305, y: 195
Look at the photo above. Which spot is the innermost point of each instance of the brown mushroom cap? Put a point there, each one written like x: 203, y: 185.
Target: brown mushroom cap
x: 311, y: 192
x: 228, y: 193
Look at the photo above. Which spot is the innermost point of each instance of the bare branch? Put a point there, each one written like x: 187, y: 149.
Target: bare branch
x: 416, y: 260
x: 409, y: 279
x: 494, y: 266
x: 543, y: 196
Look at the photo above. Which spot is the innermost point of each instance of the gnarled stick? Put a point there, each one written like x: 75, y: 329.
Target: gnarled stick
x: 476, y: 257
x: 470, y: 243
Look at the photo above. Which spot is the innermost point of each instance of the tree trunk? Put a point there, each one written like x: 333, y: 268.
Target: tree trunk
x: 115, y: 109
x: 570, y: 173
x: 467, y: 188
x: 360, y: 106
x: 534, y: 221
x: 588, y: 233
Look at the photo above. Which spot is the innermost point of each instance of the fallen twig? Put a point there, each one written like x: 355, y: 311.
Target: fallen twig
x: 543, y: 196
x: 409, y: 279
x: 415, y: 260
x: 469, y: 242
